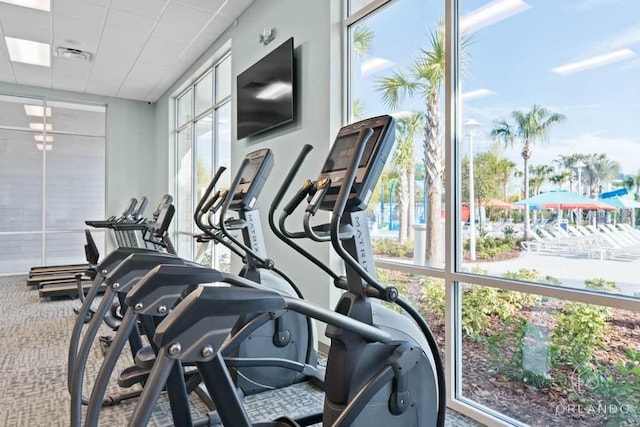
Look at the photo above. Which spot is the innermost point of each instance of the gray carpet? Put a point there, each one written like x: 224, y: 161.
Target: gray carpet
x: 33, y: 370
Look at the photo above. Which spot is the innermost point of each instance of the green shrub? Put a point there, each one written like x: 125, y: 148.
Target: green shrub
x: 509, y: 233
x: 391, y: 247
x: 600, y: 284
x: 619, y: 389
x: 578, y: 332
x: 432, y: 298
x: 580, y: 327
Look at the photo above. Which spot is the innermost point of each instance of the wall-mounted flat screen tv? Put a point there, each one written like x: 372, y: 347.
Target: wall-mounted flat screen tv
x: 265, y: 92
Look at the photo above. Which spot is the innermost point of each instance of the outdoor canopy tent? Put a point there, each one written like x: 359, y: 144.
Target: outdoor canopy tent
x: 563, y: 200
x: 621, y: 202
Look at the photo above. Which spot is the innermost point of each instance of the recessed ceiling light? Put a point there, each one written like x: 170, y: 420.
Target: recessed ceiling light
x: 596, y: 61
x: 32, y: 4
x: 29, y: 52
x: 39, y: 126
x: 43, y: 138
x: 490, y: 13
x: 45, y: 147
x: 36, y: 110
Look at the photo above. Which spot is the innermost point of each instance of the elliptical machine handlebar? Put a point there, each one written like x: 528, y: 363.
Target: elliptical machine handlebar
x: 200, y: 206
x: 264, y: 263
x: 290, y: 207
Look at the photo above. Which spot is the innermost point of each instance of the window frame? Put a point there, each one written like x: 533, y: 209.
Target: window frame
x: 192, y: 123
x: 45, y: 230
x: 452, y: 273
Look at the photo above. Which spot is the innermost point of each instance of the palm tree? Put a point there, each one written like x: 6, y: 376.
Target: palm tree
x: 541, y: 174
x: 599, y: 170
x: 529, y: 128
x: 571, y: 162
x: 362, y: 43
x: 362, y: 40
x: 505, y: 169
x: 404, y: 161
x: 561, y: 177
x: 425, y: 78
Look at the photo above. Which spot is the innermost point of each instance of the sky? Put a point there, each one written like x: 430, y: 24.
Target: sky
x: 513, y: 61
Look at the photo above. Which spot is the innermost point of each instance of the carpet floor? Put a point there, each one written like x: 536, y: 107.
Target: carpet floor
x: 33, y: 370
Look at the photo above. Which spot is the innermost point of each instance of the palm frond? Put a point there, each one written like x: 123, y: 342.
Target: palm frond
x: 394, y: 88
x: 362, y: 40
x: 503, y: 132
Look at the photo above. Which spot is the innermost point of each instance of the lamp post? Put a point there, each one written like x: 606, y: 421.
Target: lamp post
x: 471, y: 126
x: 579, y: 165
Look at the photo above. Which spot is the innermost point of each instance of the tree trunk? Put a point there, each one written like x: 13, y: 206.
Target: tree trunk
x: 434, y: 251
x: 412, y: 200
x: 525, y: 155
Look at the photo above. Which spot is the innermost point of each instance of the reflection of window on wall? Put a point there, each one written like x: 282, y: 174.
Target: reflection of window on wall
x: 52, y: 167
x: 544, y: 290
x: 202, y: 145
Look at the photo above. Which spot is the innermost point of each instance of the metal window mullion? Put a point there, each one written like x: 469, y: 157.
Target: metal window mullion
x: 193, y: 159
x: 552, y: 291
x: 453, y: 297
x: 365, y: 11
x: 44, y: 184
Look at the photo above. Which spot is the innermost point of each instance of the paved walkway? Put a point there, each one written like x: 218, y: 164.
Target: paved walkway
x: 572, y: 270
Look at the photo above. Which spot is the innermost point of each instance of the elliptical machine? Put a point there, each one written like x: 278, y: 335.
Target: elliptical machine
x: 383, y: 368
x: 289, y: 337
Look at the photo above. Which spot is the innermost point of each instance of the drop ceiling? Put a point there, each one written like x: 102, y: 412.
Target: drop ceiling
x: 139, y: 47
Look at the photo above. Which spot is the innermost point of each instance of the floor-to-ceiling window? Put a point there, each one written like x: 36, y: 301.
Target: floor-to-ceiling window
x: 203, y: 120
x: 52, y: 178
x: 509, y: 210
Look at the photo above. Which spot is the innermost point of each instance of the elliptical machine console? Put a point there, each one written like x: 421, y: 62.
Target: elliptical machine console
x: 376, y: 151
x: 260, y: 163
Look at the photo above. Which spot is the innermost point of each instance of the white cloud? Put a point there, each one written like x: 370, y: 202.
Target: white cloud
x: 595, y: 61
x: 621, y: 150
x: 626, y: 38
x: 373, y: 65
x: 584, y: 5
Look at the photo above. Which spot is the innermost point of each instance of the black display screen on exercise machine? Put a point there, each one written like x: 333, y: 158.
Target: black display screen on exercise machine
x: 253, y: 178
x: 375, y: 155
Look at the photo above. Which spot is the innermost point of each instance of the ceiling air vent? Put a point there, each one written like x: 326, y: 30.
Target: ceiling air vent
x: 75, y: 54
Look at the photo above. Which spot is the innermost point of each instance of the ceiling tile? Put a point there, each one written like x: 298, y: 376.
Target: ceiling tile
x: 10, y: 12
x: 6, y: 72
x: 103, y: 3
x: 118, y: 20
x: 69, y: 74
x: 235, y: 8
x: 181, y: 23
x: 140, y: 47
x: 162, y: 51
x: 211, y: 5
x: 32, y: 75
x: 75, y: 9
x: 148, y: 8
x: 138, y: 93
x: 36, y: 27
x: 107, y: 87
x: 219, y: 24
x: 76, y: 34
x: 117, y: 53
